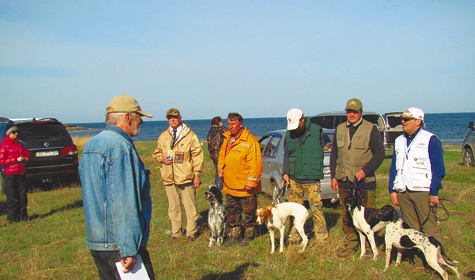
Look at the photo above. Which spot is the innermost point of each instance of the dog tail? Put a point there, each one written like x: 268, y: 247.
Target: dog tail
x: 436, y: 242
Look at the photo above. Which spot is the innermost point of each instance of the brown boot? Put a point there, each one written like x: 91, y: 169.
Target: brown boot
x: 248, y: 236
x: 234, y: 237
x: 294, y: 236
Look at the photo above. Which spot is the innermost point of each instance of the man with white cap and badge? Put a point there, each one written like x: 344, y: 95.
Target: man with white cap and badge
x: 416, y: 173
x: 303, y: 168
x: 116, y: 193
x: 357, y: 151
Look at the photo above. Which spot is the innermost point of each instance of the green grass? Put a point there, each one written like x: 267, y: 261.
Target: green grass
x: 52, y: 244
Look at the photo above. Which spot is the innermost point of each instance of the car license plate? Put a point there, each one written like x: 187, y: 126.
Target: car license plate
x: 47, y: 154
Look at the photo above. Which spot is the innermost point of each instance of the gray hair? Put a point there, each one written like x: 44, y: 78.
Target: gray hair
x: 114, y: 118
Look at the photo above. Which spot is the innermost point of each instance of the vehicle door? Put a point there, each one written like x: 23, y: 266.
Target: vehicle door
x: 271, y: 162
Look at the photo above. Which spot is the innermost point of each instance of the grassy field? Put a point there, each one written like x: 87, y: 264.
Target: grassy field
x: 52, y: 244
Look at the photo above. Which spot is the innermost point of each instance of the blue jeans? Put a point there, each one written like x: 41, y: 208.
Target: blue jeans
x: 217, y: 181
x: 105, y: 263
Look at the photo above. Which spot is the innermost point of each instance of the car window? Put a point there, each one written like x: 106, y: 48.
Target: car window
x: 327, y: 141
x: 41, y: 131
x: 393, y: 121
x: 263, y: 141
x: 271, y: 148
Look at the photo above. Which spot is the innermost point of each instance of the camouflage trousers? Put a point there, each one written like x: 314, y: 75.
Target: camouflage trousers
x: 236, y: 206
x: 314, y: 195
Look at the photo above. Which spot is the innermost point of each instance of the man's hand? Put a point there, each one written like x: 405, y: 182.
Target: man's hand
x: 393, y: 198
x: 360, y: 175
x: 128, y: 263
x: 196, y: 181
x: 434, y: 200
x: 250, y: 190
x: 165, y: 160
x: 285, y: 180
x: 221, y: 174
x: 334, y: 185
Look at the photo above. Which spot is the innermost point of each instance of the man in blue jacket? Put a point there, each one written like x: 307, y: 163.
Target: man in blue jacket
x: 416, y: 173
x: 116, y: 192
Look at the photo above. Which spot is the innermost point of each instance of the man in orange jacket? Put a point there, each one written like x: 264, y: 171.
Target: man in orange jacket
x: 240, y: 164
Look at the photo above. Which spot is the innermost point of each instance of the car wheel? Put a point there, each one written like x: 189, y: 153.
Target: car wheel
x: 468, y: 157
x: 275, y: 192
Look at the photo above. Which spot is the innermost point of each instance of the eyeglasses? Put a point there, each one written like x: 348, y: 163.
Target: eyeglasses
x: 406, y: 119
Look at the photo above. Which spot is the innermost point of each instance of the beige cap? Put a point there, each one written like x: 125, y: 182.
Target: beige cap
x: 354, y: 104
x: 173, y: 112
x: 125, y: 103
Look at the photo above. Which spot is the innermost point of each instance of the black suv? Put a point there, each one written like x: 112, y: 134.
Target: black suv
x: 52, y: 153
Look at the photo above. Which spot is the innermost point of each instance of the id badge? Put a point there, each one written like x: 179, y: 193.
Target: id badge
x: 170, y: 154
x: 179, y: 157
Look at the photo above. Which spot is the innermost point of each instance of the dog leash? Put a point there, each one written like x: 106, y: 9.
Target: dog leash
x: 281, y: 191
x: 359, y: 186
x: 433, y: 209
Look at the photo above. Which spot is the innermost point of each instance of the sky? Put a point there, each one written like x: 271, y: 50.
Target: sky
x: 68, y: 59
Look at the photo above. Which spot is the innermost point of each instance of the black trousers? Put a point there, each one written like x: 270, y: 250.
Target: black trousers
x: 17, y: 200
x: 105, y: 263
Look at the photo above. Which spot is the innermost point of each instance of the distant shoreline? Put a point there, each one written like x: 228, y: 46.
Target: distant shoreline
x: 71, y: 127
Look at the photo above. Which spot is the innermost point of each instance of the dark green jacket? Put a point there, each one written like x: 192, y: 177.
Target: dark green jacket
x: 305, y: 153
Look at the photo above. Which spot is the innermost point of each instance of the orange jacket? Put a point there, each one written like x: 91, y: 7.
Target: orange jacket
x: 241, y: 163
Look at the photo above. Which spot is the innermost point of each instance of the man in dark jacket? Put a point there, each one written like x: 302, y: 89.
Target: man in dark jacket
x: 215, y: 140
x: 303, y: 169
x: 357, y: 151
x: 13, y: 159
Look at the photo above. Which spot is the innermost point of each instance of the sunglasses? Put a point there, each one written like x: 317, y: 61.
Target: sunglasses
x: 406, y: 119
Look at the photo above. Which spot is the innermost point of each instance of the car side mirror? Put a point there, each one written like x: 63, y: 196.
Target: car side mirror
x: 470, y: 125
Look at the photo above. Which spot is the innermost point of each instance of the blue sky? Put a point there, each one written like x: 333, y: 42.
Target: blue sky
x: 67, y: 59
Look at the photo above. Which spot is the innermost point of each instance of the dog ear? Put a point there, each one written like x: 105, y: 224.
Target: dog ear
x: 269, y: 213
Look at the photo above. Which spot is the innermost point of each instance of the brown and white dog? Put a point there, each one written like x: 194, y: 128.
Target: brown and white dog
x: 400, y: 236
x: 275, y: 217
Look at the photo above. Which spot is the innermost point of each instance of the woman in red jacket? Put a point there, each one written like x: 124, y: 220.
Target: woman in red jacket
x: 13, y: 160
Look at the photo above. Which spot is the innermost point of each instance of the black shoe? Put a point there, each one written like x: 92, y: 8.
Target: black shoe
x: 191, y: 238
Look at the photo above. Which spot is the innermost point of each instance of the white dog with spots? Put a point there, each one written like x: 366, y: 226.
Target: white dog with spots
x: 400, y: 236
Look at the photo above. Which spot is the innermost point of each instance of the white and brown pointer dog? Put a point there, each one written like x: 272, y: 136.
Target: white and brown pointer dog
x: 216, y: 215
x: 368, y: 221
x: 276, y: 216
x: 400, y: 236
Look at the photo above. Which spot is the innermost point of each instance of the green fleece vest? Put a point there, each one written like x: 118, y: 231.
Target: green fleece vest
x: 354, y: 153
x: 306, y: 158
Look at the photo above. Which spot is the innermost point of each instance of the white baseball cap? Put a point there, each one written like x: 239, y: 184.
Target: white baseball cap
x: 293, y: 117
x: 415, y: 113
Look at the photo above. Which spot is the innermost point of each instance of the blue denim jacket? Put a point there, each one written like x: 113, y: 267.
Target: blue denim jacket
x: 116, y: 193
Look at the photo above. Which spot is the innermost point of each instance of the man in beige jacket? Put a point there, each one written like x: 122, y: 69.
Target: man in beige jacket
x: 180, y: 153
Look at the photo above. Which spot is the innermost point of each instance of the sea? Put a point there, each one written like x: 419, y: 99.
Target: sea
x: 449, y: 127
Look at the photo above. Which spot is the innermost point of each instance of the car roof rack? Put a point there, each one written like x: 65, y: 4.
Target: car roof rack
x: 27, y: 120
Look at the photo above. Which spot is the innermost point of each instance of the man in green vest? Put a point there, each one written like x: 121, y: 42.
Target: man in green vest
x: 303, y: 169
x: 357, y: 151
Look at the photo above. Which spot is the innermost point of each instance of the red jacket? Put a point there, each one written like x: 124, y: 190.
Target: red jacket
x: 10, y: 150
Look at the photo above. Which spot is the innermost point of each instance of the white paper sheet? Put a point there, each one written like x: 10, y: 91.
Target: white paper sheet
x: 138, y: 273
